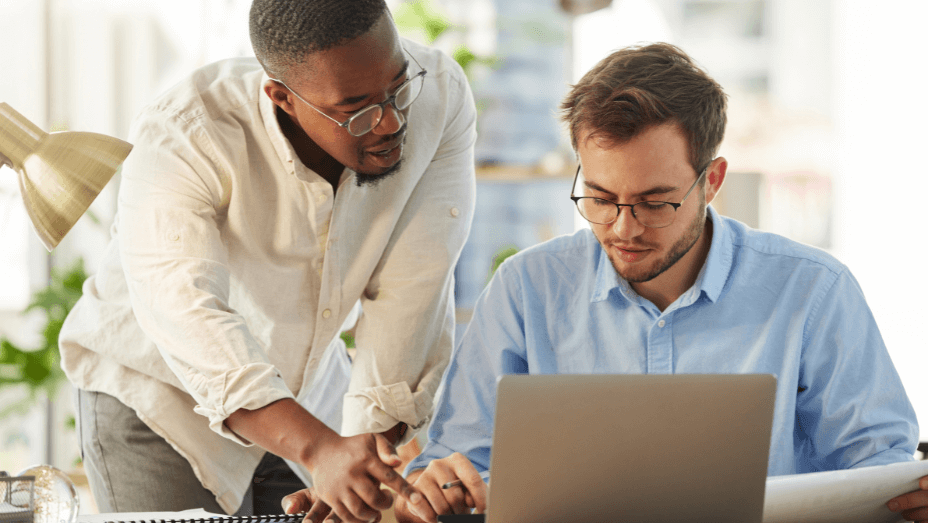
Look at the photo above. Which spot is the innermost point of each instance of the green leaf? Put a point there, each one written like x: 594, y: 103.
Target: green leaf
x: 463, y: 56
x: 39, y: 369
x: 420, y: 15
x: 499, y: 258
x: 348, y: 339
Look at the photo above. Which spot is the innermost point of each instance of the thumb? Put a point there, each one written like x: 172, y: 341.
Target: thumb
x: 386, y: 451
x: 299, y: 501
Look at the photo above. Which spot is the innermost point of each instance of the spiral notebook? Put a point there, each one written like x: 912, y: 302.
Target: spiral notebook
x: 186, y: 516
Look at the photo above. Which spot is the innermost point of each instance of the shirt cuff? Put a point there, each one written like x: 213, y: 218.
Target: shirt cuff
x: 250, y: 387
x: 377, y: 409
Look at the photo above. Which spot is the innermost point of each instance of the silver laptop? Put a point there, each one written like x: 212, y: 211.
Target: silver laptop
x: 637, y: 448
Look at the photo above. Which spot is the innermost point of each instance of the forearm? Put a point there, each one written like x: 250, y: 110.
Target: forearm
x: 286, y: 429
x: 283, y: 428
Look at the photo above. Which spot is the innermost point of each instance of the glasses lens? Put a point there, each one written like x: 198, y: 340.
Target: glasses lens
x: 408, y: 92
x: 654, y: 214
x: 596, y: 210
x: 364, y: 121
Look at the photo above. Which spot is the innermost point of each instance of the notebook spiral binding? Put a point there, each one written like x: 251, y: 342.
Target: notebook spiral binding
x: 267, y: 518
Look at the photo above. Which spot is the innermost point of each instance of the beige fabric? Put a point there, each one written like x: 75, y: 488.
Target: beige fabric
x: 232, y: 271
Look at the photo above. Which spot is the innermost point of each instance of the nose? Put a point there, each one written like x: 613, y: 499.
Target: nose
x: 626, y: 226
x: 391, y: 121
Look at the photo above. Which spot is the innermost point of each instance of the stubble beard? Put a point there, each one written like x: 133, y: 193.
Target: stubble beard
x: 679, y: 250
x: 372, y: 179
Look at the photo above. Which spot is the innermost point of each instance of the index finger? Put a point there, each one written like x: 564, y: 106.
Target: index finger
x: 317, y: 513
x: 389, y: 477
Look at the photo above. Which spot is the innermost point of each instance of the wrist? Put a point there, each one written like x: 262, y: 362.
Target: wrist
x: 315, y: 444
x: 396, y: 433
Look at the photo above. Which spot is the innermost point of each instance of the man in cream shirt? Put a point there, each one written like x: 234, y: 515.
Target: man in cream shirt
x: 263, y: 201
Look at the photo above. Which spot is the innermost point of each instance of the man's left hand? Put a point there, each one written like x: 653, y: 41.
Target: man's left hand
x: 316, y: 510
x: 914, y: 505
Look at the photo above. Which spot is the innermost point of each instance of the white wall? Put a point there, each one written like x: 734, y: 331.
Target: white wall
x: 883, y: 178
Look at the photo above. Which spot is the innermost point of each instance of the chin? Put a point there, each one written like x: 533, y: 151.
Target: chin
x: 372, y: 179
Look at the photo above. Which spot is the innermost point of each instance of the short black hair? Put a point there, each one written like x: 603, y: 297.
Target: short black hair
x: 284, y: 32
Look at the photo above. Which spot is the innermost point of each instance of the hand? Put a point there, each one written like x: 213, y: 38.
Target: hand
x: 306, y: 501
x: 456, y: 500
x: 348, y: 473
x: 914, y: 505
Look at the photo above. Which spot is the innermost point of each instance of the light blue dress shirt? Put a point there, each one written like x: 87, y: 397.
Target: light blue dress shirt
x: 761, y: 304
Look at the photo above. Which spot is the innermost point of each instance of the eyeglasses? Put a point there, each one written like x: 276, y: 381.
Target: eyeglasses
x: 654, y: 215
x: 367, y: 118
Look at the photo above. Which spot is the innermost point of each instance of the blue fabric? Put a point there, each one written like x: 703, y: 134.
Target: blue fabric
x: 761, y: 304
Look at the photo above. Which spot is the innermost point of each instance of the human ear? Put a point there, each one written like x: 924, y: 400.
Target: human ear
x: 715, y: 177
x: 281, y: 96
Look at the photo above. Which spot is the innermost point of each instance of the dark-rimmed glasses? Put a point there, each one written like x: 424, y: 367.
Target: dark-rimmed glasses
x: 654, y: 215
x: 367, y: 118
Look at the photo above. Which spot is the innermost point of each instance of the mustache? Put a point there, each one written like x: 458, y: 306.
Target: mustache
x: 637, y: 246
x: 394, y: 136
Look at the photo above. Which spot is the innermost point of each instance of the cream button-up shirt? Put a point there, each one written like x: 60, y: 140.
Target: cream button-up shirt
x: 233, y: 268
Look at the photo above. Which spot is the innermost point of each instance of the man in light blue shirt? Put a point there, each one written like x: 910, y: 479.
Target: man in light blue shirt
x: 662, y: 284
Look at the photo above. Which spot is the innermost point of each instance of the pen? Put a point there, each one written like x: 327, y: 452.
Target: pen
x: 457, y: 483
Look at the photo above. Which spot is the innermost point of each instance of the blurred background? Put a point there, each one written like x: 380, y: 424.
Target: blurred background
x: 827, y: 128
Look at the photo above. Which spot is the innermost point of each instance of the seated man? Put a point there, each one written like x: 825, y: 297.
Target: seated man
x: 662, y: 284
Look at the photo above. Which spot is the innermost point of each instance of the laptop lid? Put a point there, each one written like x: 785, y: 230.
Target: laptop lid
x: 643, y: 448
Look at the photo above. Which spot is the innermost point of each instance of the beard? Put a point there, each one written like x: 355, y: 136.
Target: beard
x: 679, y: 249
x: 371, y: 179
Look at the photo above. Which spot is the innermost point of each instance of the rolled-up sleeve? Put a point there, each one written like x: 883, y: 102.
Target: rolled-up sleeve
x: 405, y: 334
x: 170, y: 199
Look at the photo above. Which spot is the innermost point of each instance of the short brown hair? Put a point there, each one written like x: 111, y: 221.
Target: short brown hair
x: 638, y: 87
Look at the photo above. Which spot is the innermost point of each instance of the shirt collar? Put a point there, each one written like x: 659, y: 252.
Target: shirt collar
x: 714, y: 274
x: 710, y: 281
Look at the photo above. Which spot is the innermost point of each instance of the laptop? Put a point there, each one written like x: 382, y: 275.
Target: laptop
x: 638, y: 448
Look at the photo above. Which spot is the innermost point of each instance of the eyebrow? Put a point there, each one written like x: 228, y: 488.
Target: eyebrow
x: 352, y: 100
x: 661, y: 189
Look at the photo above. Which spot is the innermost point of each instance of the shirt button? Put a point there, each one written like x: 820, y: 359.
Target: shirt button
x: 321, y: 198
x: 174, y: 236
x: 326, y: 313
x: 661, y: 324
x: 455, y: 212
x: 313, y: 362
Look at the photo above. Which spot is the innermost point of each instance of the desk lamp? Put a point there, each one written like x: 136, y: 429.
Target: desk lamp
x: 60, y: 174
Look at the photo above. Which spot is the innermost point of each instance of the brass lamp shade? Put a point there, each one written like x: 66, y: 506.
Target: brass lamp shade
x: 60, y: 174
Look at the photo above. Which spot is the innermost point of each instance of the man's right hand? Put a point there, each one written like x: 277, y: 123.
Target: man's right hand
x: 455, y: 500
x: 347, y: 472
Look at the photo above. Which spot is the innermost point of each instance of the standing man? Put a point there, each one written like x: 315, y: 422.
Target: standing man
x: 662, y: 284
x: 265, y: 200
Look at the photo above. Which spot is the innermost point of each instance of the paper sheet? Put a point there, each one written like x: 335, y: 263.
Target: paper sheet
x: 196, y: 513
x: 841, y: 496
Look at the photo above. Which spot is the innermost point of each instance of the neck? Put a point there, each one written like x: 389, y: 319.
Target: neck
x: 672, y: 283
x: 309, y: 152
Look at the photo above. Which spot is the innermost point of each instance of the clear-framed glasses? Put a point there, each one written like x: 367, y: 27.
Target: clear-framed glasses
x: 367, y: 118
x: 651, y: 214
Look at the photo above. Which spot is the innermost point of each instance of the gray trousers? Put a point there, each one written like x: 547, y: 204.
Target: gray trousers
x: 130, y: 468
